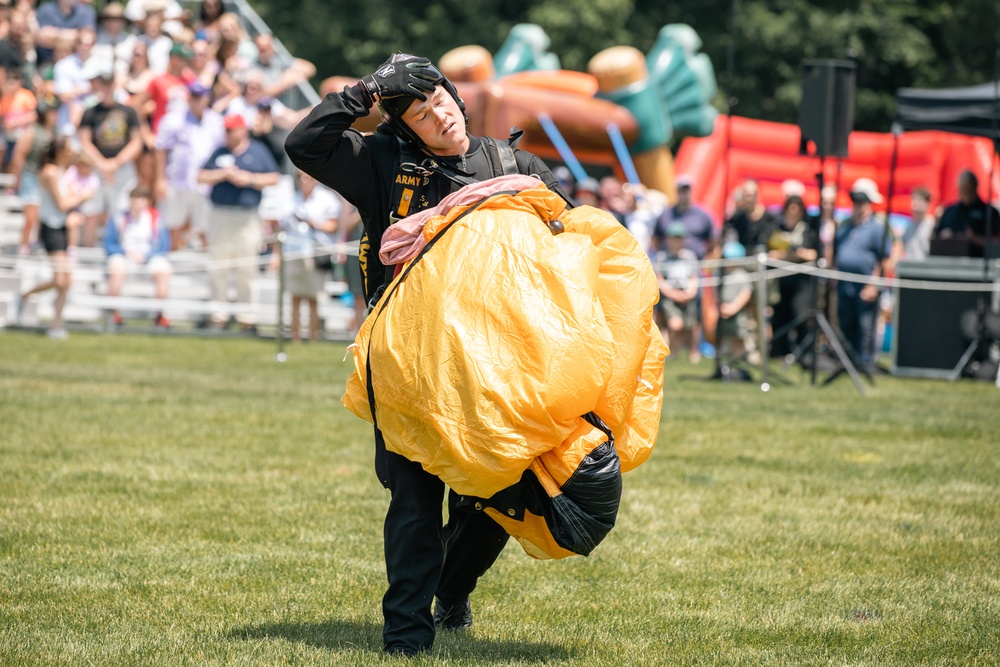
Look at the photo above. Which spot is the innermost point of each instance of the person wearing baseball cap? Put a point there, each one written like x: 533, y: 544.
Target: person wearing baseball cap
x: 865, y: 191
x: 697, y: 221
x: 236, y: 172
x: 861, y: 246
x: 587, y: 192
x: 677, y: 268
x: 113, y: 152
x: 171, y: 85
x: 186, y: 137
x: 234, y: 121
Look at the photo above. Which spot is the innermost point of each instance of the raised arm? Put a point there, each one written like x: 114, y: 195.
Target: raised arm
x: 324, y: 146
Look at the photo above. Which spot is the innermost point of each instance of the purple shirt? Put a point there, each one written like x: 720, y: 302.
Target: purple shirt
x: 190, y: 142
x: 699, y: 224
x: 80, y: 16
x: 49, y: 14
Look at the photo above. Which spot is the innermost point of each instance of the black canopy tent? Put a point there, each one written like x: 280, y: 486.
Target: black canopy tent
x: 974, y: 111
x: 971, y: 110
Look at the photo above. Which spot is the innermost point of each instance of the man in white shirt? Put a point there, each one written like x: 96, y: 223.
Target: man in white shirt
x: 71, y: 79
x: 185, y: 139
x: 916, y: 240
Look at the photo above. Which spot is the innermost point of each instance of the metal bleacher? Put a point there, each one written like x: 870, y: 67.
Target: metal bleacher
x: 88, y: 305
x: 188, y: 306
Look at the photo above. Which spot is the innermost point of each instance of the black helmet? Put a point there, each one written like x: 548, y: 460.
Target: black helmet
x: 391, y: 109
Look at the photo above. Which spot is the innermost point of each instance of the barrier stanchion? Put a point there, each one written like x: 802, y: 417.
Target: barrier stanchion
x: 761, y: 321
x: 279, y: 244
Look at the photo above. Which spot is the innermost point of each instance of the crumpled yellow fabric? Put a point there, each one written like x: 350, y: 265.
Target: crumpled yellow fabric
x: 488, y: 348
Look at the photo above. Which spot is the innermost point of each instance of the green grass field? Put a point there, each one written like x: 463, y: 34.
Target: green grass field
x: 185, y: 501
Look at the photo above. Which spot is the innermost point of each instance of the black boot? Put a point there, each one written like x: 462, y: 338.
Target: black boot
x: 452, y: 616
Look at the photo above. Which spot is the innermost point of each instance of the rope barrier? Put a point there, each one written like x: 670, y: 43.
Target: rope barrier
x: 182, y: 266
x: 777, y: 268
x: 780, y: 268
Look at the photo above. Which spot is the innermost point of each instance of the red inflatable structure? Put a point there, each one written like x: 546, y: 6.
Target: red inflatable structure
x: 769, y: 153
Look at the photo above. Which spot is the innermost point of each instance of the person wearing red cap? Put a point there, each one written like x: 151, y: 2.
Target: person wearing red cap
x: 237, y: 173
x: 424, y: 127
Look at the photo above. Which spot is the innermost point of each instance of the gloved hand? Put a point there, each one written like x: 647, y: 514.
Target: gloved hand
x: 412, y: 77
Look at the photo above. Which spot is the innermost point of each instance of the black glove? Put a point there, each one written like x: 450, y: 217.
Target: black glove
x: 412, y: 78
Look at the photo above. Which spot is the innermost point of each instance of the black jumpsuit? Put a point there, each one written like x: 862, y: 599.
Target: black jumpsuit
x: 423, y: 558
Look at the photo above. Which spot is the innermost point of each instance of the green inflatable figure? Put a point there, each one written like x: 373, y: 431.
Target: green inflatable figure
x: 525, y: 51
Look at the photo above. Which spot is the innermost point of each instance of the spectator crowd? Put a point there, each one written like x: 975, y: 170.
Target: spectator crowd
x: 149, y: 127
x: 682, y: 239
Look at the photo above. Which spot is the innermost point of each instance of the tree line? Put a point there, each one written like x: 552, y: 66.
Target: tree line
x: 756, y: 46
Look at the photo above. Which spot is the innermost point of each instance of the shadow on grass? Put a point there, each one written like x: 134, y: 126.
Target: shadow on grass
x: 332, y: 635
x: 367, y: 638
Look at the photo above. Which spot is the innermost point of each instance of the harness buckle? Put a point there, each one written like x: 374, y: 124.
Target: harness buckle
x: 418, y: 169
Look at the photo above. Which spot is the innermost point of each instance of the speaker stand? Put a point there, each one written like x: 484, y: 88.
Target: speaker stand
x: 811, y: 343
x: 983, y: 335
x: 842, y: 356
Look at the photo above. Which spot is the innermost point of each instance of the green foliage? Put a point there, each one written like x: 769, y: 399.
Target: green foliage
x: 183, y: 501
x: 897, y: 43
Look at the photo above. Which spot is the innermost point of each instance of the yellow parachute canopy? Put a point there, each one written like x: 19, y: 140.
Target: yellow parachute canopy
x: 491, y: 348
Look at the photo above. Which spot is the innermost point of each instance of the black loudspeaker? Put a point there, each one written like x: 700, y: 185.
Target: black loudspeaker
x: 932, y: 327
x: 826, y: 115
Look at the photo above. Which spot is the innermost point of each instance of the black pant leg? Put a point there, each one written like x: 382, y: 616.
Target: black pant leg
x: 781, y: 317
x: 473, y: 542
x: 414, y: 553
x: 847, y: 317
x: 802, y: 303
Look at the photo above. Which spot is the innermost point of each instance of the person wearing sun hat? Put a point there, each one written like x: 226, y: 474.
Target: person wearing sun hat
x: 112, y: 27
x: 861, y: 246
x: 112, y: 31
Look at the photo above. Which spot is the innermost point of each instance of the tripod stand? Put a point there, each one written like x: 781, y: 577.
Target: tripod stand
x: 986, y: 332
x: 817, y: 321
x: 983, y: 332
x: 983, y: 308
